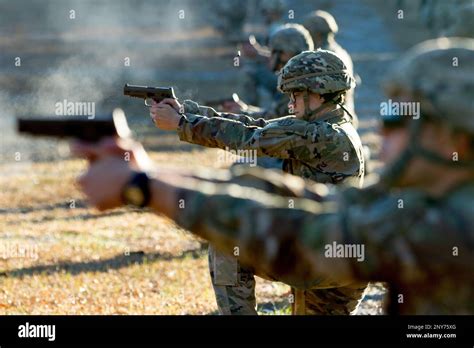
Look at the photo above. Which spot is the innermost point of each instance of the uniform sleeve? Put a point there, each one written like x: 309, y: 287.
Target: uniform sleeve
x: 372, y: 238
x: 192, y: 108
x: 284, y: 138
x: 409, y: 237
x: 278, y: 108
x: 267, y: 234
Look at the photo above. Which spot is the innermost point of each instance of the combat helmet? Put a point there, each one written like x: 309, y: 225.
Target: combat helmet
x: 320, y: 22
x: 293, y: 38
x: 318, y: 72
x: 439, y: 75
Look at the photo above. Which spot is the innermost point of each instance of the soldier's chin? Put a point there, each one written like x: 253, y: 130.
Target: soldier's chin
x: 298, y: 114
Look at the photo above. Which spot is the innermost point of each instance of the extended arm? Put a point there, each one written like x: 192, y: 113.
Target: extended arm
x: 357, y: 235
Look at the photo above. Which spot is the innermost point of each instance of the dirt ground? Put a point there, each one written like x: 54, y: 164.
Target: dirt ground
x: 62, y: 257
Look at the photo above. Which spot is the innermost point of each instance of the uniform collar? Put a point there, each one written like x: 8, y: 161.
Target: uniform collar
x: 328, y: 115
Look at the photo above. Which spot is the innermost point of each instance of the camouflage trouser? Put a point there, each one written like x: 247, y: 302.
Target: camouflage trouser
x: 234, y: 287
x: 333, y: 301
x: 234, y: 284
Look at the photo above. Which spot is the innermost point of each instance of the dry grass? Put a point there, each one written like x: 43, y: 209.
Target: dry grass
x: 79, y: 261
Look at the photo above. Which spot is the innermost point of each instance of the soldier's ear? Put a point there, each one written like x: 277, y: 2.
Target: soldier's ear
x: 464, y: 143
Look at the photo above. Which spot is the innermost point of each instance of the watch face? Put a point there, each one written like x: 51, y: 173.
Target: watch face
x: 134, y: 195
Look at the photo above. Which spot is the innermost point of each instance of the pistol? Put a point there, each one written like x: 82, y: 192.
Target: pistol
x: 77, y: 127
x: 146, y: 93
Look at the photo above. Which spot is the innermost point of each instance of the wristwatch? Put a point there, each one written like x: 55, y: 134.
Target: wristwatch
x: 137, y: 191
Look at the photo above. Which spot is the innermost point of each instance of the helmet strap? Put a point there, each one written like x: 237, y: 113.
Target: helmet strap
x: 347, y: 112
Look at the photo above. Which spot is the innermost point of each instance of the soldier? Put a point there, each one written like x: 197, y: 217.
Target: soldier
x: 257, y: 82
x: 229, y: 18
x: 323, y: 29
x: 286, y: 41
x: 318, y: 143
x: 234, y: 284
x: 416, y: 226
x: 272, y: 12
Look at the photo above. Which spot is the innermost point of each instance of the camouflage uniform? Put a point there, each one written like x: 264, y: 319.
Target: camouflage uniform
x: 314, y: 148
x: 428, y: 242
x: 323, y: 148
x: 323, y: 28
x: 257, y: 82
x: 234, y: 284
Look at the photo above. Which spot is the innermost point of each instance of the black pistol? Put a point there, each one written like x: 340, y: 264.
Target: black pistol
x: 77, y: 127
x: 146, y: 93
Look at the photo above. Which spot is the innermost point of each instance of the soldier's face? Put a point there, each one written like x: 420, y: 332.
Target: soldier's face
x: 394, y: 142
x: 435, y: 138
x: 317, y: 40
x: 296, y: 104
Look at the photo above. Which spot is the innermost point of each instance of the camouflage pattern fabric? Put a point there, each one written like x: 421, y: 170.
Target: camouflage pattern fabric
x: 428, y: 241
x: 333, y: 46
x: 234, y: 284
x: 339, y: 305
x: 412, y: 76
x: 323, y: 27
x: 401, y: 245
x: 333, y: 301
x: 197, y: 129
x: 319, y: 71
x: 326, y: 150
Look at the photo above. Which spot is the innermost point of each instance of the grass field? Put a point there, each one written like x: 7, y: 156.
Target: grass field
x: 59, y: 256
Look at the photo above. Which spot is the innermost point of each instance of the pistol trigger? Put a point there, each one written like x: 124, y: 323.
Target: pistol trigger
x: 147, y: 104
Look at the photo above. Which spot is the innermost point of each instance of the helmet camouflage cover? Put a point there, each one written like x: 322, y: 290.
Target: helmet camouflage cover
x: 439, y: 74
x: 320, y: 22
x: 318, y: 71
x: 293, y: 38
